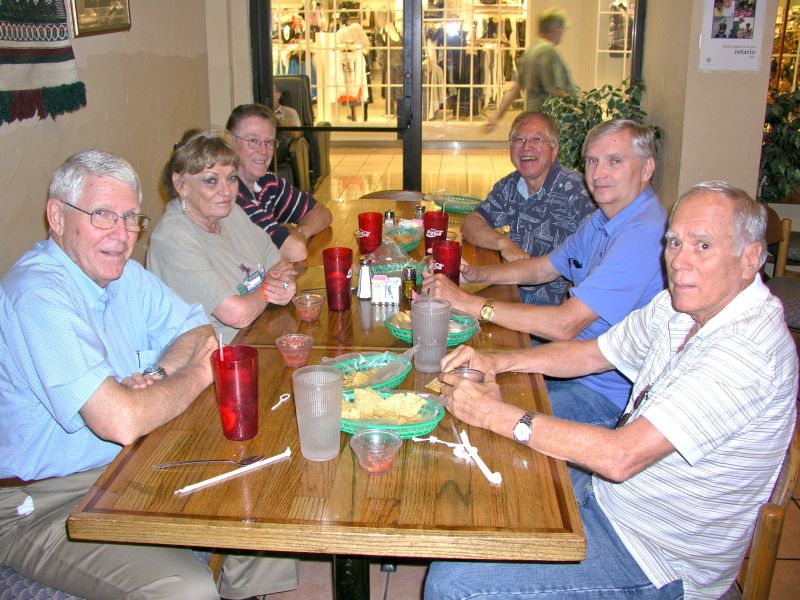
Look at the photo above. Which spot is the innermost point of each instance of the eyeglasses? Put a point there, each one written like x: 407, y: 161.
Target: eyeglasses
x: 254, y: 143
x: 107, y: 219
x: 535, y: 141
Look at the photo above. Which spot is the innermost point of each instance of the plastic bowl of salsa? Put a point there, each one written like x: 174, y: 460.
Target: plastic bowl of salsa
x: 376, y: 450
x: 295, y: 348
x: 308, y: 306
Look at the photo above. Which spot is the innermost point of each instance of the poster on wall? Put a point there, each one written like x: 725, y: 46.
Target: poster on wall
x: 731, y: 36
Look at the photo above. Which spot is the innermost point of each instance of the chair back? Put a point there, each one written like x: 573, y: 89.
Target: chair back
x: 756, y: 574
x: 296, y: 93
x: 778, y: 232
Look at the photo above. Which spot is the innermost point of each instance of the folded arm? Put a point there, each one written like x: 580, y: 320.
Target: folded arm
x: 122, y: 414
x: 480, y: 233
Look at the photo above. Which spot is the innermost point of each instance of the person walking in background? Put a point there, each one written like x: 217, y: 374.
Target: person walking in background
x: 541, y: 71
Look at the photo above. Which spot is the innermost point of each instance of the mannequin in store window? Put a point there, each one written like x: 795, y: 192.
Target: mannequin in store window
x: 353, y: 43
x: 541, y: 71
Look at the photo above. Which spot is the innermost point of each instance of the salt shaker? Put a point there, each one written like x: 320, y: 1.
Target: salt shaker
x: 364, y: 291
x: 388, y: 218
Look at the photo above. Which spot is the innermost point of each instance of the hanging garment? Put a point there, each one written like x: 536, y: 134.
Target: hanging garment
x: 351, y: 76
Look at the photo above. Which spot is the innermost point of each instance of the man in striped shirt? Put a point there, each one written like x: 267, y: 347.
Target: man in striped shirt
x: 676, y: 488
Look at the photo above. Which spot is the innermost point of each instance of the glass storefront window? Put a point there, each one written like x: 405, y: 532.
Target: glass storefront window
x: 352, y: 52
x: 786, y: 47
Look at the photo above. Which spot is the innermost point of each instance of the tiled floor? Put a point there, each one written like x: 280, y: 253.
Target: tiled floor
x: 464, y: 172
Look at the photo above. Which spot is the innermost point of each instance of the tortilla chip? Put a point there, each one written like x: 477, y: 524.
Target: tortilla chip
x: 399, y: 408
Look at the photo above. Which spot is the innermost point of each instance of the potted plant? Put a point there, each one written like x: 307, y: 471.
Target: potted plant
x: 576, y: 115
x: 779, y: 170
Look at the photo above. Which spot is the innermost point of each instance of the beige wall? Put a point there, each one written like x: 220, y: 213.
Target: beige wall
x: 144, y: 87
x: 712, y: 119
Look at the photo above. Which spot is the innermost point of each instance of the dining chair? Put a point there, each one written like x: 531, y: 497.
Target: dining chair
x: 783, y: 284
x: 755, y: 575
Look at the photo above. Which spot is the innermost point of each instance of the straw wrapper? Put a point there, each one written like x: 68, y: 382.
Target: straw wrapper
x: 235, y: 473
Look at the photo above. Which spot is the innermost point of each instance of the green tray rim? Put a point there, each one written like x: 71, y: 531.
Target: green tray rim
x: 386, y: 385
x: 453, y: 339
x: 462, y: 205
x: 406, y: 431
x: 410, y: 246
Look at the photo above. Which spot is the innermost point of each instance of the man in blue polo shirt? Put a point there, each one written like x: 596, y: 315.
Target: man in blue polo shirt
x: 613, y: 261
x: 541, y: 202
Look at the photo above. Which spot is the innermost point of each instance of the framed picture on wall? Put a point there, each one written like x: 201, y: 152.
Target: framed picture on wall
x: 91, y: 17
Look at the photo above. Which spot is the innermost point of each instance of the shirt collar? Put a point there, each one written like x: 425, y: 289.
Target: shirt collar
x: 754, y: 294
x: 522, y: 186
x: 90, y: 290
x: 600, y: 221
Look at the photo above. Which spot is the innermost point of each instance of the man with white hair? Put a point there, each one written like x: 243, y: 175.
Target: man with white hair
x: 96, y: 352
x: 677, y: 485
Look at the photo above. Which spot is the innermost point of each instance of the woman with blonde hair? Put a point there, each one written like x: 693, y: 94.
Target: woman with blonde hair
x: 205, y: 247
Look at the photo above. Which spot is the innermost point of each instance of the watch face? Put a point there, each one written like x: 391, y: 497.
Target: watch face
x: 487, y: 313
x: 522, y: 432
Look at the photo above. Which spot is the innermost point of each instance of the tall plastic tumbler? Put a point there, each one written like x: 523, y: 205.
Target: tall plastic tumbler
x: 429, y: 322
x: 236, y: 382
x: 318, y: 403
x: 337, y: 264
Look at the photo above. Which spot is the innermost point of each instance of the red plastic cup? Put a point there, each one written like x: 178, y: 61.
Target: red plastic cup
x: 435, y: 225
x: 236, y: 382
x: 447, y: 259
x: 370, y: 229
x: 338, y: 265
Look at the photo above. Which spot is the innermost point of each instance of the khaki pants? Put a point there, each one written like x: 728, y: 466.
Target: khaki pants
x: 37, y: 546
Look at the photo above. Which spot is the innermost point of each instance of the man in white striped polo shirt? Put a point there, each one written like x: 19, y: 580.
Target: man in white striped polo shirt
x: 671, y: 506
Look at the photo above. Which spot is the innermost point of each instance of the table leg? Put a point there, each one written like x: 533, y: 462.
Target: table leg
x: 350, y: 578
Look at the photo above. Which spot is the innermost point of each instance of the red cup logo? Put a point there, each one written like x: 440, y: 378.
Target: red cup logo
x: 350, y: 273
x: 361, y: 233
x: 432, y: 233
x: 437, y: 266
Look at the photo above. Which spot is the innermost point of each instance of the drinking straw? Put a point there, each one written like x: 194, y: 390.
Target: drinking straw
x: 235, y: 473
x: 221, y: 351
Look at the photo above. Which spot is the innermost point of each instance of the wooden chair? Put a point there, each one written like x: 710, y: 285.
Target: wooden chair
x: 755, y: 576
x: 784, y: 285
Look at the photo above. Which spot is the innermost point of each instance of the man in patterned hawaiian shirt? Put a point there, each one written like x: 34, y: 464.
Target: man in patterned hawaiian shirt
x: 542, y: 203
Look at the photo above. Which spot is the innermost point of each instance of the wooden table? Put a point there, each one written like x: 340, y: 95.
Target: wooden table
x: 431, y: 505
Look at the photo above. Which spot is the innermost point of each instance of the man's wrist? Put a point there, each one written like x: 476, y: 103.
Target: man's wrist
x: 299, y: 230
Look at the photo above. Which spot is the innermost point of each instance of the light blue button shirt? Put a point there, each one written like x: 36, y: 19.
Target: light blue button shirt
x: 62, y: 335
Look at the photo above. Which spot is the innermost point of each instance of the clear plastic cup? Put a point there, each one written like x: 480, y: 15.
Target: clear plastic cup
x: 376, y: 450
x: 318, y: 402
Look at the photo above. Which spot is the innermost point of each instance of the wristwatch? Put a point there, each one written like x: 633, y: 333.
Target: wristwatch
x: 523, y: 430
x: 486, y: 313
x: 155, y: 371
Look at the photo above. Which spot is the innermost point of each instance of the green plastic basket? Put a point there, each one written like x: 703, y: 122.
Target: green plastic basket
x: 430, y: 415
x: 456, y: 204
x: 396, y: 269
x: 407, y: 246
x: 469, y: 324
x: 375, y: 361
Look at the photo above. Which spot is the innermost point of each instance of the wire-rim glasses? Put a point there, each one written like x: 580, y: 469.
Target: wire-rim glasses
x: 107, y: 219
x: 254, y: 143
x: 535, y: 141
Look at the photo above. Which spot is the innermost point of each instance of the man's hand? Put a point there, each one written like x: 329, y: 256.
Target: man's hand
x: 137, y: 381
x: 489, y: 127
x: 467, y: 356
x: 511, y: 252
x: 438, y: 285
x: 477, y: 404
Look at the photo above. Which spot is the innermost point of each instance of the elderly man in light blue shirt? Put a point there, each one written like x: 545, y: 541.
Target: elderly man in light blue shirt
x: 96, y: 352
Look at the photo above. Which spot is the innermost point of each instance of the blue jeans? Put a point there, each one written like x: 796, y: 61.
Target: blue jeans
x: 576, y: 402
x: 608, y: 571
